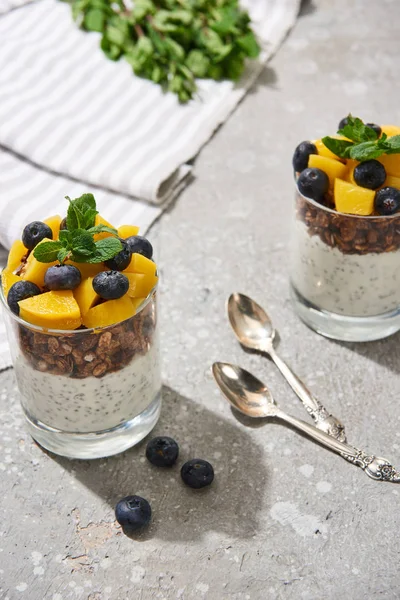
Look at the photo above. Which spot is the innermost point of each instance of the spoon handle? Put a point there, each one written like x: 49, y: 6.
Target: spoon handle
x: 323, y: 419
x: 374, y: 467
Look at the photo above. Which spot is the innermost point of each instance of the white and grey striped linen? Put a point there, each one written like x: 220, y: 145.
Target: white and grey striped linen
x: 66, y: 107
x: 7, y: 5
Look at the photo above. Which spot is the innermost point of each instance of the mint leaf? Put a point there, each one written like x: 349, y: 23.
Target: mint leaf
x: 366, y: 151
x: 47, y: 251
x: 392, y: 145
x: 62, y: 255
x: 102, y: 229
x: 82, y: 243
x: 105, y: 249
x: 339, y: 147
x: 65, y: 237
x: 94, y: 20
x: 358, y: 132
x: 249, y: 44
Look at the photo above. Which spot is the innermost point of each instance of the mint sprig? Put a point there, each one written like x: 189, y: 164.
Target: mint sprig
x: 365, y: 143
x: 77, y: 242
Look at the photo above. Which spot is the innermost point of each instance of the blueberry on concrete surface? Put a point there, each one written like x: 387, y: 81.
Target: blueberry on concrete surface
x: 197, y: 473
x: 133, y: 513
x: 162, y: 451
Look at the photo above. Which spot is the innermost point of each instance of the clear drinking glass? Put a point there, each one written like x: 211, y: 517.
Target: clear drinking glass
x: 88, y: 393
x: 345, y: 278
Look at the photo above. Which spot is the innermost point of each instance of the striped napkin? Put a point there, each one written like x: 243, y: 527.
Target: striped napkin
x: 73, y: 121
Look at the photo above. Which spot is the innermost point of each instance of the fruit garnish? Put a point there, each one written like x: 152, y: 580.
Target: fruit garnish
x: 370, y: 174
x: 352, y: 199
x: 52, y: 310
x: 162, y: 451
x: 387, y: 201
x: 7, y: 280
x: 333, y: 168
x: 375, y: 128
x: 313, y: 183
x: 140, y: 245
x: 77, y: 241
x: 34, y: 233
x: 364, y: 144
x: 110, y: 312
x: 110, y: 285
x: 62, y: 277
x: 17, y: 252
x: 133, y: 513
x: 121, y: 260
x: 20, y: 291
x: 197, y: 473
x: 302, y: 154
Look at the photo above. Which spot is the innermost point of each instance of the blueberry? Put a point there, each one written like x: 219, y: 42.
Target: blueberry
x: 302, y: 154
x: 313, y: 183
x: 34, y: 233
x: 370, y: 174
x: 343, y: 123
x: 19, y: 291
x: 197, y: 473
x: 375, y: 128
x: 62, y: 277
x: 387, y: 201
x: 120, y: 260
x: 140, y: 245
x: 110, y: 285
x: 63, y: 224
x: 162, y: 451
x: 132, y: 513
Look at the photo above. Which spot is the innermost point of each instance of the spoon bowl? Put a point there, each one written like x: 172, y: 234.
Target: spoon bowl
x: 250, y: 322
x: 245, y: 392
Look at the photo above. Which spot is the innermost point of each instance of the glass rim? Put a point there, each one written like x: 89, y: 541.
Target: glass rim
x: 71, y: 332
x: 342, y: 214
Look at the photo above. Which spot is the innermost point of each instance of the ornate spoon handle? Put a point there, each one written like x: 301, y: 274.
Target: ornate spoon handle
x: 374, y: 466
x: 323, y: 419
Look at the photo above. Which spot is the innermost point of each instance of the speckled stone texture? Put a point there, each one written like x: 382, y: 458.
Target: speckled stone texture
x: 284, y: 518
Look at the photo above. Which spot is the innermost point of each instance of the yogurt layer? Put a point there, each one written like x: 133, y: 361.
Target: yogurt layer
x: 347, y: 284
x: 91, y: 404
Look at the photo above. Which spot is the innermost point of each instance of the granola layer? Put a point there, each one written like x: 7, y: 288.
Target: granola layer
x: 349, y: 234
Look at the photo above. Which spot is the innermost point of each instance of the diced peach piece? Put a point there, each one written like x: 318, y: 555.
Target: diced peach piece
x: 34, y: 270
x: 54, y: 224
x: 85, y: 295
x: 137, y: 302
x: 8, y: 279
x: 87, y: 269
x: 141, y: 264
x: 16, y: 254
x: 391, y: 130
x: 126, y: 231
x: 109, y: 312
x: 324, y: 151
x: 391, y: 162
x: 351, y: 165
x: 333, y: 168
x: 100, y: 221
x: 140, y: 285
x: 52, y: 310
x: 392, y: 182
x: 353, y: 199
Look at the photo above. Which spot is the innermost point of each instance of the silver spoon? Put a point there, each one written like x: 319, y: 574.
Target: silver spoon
x: 252, y: 398
x: 254, y: 330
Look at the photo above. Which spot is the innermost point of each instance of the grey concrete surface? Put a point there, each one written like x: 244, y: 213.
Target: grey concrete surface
x: 285, y: 518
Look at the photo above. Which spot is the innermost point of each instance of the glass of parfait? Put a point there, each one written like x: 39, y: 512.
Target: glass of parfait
x: 345, y: 275
x: 86, y: 359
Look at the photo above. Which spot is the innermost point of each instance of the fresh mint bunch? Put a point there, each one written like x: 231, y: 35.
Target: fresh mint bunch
x: 77, y: 242
x: 365, y: 143
x: 172, y: 42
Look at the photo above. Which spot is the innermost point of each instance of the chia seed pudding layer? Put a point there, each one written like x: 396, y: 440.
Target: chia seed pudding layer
x: 346, y: 264
x: 92, y: 404
x: 89, y: 380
